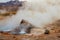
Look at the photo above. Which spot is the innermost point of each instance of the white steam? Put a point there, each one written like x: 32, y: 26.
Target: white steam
x: 36, y: 12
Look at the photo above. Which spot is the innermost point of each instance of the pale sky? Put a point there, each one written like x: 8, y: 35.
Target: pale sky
x: 8, y: 0
x: 4, y: 0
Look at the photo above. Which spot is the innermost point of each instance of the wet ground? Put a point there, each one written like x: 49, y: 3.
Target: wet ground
x: 52, y: 34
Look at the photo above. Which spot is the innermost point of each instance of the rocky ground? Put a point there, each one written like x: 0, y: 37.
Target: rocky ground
x: 51, y: 34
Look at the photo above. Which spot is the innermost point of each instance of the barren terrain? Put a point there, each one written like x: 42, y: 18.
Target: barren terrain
x: 52, y: 34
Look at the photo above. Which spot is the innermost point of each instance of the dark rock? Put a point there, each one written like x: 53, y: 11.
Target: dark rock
x: 46, y: 32
x: 11, y: 3
x: 58, y: 36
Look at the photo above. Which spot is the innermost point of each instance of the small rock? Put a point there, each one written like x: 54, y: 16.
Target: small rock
x: 46, y: 32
